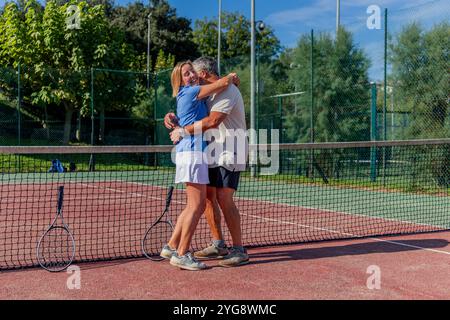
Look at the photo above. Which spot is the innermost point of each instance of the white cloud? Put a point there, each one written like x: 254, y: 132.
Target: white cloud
x: 433, y: 12
x: 320, y: 14
x: 382, y: 3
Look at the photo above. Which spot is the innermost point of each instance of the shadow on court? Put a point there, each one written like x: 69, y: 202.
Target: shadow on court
x: 412, y: 267
x: 348, y: 250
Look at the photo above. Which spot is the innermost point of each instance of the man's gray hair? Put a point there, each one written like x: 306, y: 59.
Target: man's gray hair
x: 207, y: 64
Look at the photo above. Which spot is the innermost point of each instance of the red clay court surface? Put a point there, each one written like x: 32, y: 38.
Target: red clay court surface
x: 411, y: 267
x: 109, y: 219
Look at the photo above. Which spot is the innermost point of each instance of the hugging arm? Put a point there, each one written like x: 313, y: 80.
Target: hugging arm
x: 211, y: 121
x: 215, y: 87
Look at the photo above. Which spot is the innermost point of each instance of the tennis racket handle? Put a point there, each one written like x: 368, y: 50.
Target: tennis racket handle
x: 169, y: 196
x: 60, y: 197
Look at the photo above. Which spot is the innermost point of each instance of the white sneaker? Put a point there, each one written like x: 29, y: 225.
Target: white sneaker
x: 187, y: 262
x: 167, y: 252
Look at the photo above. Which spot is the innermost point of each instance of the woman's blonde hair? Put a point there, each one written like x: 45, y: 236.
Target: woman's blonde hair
x: 176, y: 78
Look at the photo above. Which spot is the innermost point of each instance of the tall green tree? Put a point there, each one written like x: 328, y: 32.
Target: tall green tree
x: 235, y: 54
x: 59, y: 58
x: 169, y: 33
x: 341, y: 107
x: 271, y: 79
x: 235, y: 37
x: 420, y: 79
x: 107, y: 5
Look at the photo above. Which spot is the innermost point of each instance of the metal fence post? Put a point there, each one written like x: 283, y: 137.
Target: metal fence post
x: 385, y: 94
x: 373, y: 132
x: 92, y: 158
x: 19, y: 129
x: 311, y: 108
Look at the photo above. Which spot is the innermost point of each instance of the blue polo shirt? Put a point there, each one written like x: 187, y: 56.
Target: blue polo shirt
x: 189, y: 110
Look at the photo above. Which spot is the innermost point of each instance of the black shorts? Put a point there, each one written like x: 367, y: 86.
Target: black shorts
x: 220, y: 177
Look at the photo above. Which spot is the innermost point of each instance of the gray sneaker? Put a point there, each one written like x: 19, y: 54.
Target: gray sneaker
x: 187, y: 262
x: 211, y: 252
x: 167, y: 252
x: 235, y: 258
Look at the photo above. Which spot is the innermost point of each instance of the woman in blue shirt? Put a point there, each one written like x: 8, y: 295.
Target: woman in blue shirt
x: 191, y: 162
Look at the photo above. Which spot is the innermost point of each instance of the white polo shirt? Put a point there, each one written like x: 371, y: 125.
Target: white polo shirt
x: 229, y: 143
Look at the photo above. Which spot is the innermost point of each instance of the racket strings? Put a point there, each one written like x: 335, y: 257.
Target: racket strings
x: 56, y: 249
x: 155, y: 239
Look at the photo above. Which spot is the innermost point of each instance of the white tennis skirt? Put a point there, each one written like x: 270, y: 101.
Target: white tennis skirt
x: 191, y: 166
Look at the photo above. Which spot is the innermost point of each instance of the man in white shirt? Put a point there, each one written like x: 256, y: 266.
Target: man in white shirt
x: 230, y: 149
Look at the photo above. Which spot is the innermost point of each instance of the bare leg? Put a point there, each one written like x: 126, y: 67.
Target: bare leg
x: 176, y: 235
x: 212, y: 214
x: 196, y: 198
x: 231, y: 214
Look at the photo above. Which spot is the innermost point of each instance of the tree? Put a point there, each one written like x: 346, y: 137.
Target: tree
x: 169, y: 33
x: 106, y: 4
x: 341, y: 110
x: 270, y: 74
x: 164, y: 62
x: 62, y: 57
x: 235, y: 37
x: 13, y: 36
x: 235, y: 54
x: 420, y: 73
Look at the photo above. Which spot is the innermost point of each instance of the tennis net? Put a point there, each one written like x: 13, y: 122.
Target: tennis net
x: 313, y: 192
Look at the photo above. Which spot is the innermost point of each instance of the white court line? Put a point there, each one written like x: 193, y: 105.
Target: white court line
x: 293, y: 223
x: 411, y: 246
x: 134, y: 193
x: 351, y: 235
x: 339, y: 212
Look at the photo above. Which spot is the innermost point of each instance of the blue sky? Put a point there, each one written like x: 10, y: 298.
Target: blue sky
x: 292, y: 18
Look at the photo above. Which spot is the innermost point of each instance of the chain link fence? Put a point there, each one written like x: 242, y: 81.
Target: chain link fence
x: 385, y: 78
x: 98, y: 107
x: 379, y: 77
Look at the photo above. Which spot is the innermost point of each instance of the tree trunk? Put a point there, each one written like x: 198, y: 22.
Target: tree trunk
x: 46, y: 127
x: 101, y: 132
x: 67, y: 123
x: 78, y: 132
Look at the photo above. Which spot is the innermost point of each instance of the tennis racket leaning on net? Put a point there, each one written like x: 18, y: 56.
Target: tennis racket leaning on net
x: 56, y: 248
x: 159, y: 233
